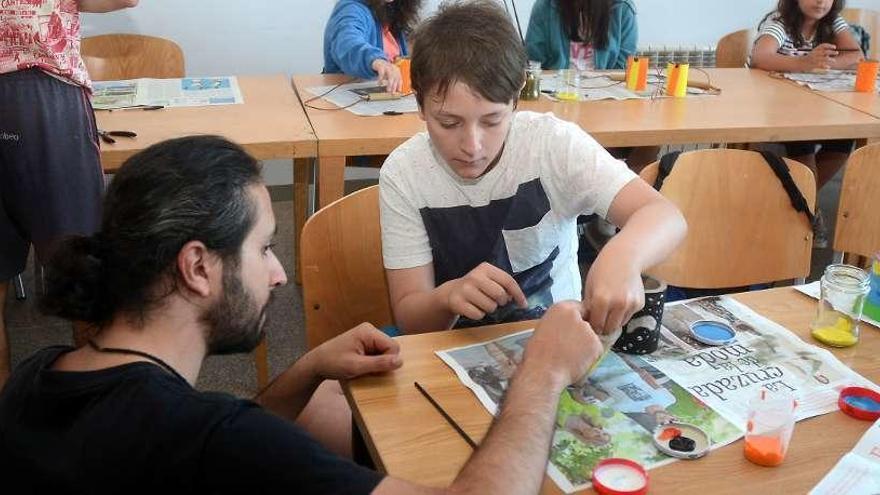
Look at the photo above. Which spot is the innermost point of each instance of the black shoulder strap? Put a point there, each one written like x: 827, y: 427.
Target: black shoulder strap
x: 798, y: 202
x: 777, y: 164
x: 667, y: 161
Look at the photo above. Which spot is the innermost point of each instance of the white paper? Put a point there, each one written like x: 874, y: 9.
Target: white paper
x: 814, y: 289
x: 831, y: 81
x: 598, y: 86
x: 185, y: 92
x: 857, y: 472
x: 343, y: 97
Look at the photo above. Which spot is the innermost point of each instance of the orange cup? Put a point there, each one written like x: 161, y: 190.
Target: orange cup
x: 402, y: 63
x: 866, y: 76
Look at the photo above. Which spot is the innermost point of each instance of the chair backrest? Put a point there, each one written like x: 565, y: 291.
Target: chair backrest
x: 342, y: 271
x: 870, y: 22
x: 858, y: 214
x: 732, y: 51
x: 742, y: 228
x: 111, y: 57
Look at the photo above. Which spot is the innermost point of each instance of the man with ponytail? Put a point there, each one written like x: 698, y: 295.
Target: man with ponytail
x: 183, y: 268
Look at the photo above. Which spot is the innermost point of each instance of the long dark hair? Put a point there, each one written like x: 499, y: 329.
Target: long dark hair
x: 192, y: 188
x: 399, y: 15
x: 592, y: 15
x: 793, y: 19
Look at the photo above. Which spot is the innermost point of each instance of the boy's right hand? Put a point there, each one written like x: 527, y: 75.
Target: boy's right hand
x: 820, y: 57
x: 481, y: 291
x: 563, y: 343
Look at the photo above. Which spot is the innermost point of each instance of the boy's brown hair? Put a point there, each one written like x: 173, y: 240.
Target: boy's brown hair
x: 473, y: 42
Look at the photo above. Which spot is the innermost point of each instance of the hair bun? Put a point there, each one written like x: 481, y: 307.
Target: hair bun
x: 75, y: 281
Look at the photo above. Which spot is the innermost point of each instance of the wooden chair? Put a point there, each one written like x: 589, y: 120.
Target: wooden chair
x: 870, y: 21
x: 342, y: 271
x: 742, y: 228
x: 732, y: 51
x: 858, y: 214
x: 110, y: 57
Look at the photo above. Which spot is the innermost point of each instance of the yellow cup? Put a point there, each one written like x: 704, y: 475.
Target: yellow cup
x: 866, y: 76
x: 637, y: 73
x: 676, y: 79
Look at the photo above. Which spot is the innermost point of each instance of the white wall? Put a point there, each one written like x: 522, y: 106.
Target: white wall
x: 285, y: 36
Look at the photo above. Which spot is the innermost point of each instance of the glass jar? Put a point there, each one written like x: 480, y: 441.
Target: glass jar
x: 569, y: 88
x: 532, y: 89
x: 844, y: 289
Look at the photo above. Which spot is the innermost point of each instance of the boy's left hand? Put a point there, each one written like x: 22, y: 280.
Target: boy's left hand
x: 613, y: 292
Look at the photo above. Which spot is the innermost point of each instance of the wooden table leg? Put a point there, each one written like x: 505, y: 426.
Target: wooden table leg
x: 301, y: 169
x: 331, y: 179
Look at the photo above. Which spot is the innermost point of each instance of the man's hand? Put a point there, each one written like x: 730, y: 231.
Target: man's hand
x: 481, y: 291
x: 563, y: 343
x: 389, y: 75
x: 613, y: 291
x: 359, y: 351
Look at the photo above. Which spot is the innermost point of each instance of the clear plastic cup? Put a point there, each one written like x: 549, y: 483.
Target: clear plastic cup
x: 769, y: 427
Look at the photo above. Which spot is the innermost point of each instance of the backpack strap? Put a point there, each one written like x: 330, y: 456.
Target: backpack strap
x: 780, y: 168
x: 777, y: 164
x: 667, y: 161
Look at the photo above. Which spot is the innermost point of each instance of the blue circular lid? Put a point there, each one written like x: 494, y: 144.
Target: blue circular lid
x: 712, y: 332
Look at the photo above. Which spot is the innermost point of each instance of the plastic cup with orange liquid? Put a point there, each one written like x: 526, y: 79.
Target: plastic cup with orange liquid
x: 769, y: 428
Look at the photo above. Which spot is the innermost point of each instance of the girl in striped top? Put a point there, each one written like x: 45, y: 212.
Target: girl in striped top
x: 804, y: 36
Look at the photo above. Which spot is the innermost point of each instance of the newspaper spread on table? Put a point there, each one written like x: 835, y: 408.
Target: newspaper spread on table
x: 343, y: 97
x: 599, y: 86
x: 616, y: 410
x: 832, y: 80
x: 185, y: 92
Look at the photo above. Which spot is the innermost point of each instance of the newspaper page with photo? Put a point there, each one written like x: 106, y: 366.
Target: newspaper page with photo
x: 616, y: 410
x: 186, y: 92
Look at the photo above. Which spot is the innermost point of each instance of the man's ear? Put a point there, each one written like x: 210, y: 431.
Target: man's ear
x: 198, y: 268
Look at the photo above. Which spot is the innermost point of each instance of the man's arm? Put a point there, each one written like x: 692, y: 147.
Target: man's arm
x: 102, y: 6
x: 512, y: 457
x: 361, y: 350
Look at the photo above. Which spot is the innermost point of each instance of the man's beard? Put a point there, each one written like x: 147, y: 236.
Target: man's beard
x: 235, y: 322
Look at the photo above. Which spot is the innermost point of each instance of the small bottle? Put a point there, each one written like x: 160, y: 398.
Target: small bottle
x: 532, y: 89
x: 844, y: 289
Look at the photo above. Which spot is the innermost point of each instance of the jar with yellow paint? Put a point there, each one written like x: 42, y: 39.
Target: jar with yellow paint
x: 844, y: 288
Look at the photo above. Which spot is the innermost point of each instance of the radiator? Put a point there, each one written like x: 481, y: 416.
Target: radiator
x: 695, y: 55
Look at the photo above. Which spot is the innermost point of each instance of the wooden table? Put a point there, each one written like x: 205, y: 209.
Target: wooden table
x: 868, y: 103
x: 408, y: 438
x: 270, y: 124
x: 752, y: 107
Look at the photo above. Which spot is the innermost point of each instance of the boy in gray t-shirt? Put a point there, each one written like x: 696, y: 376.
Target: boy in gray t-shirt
x: 479, y: 213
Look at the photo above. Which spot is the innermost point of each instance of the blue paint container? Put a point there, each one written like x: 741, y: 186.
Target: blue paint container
x: 712, y: 332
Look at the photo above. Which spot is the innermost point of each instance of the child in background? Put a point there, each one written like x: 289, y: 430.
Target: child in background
x: 363, y: 37
x: 587, y: 35
x: 804, y: 36
x: 582, y: 34
x: 478, y: 214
